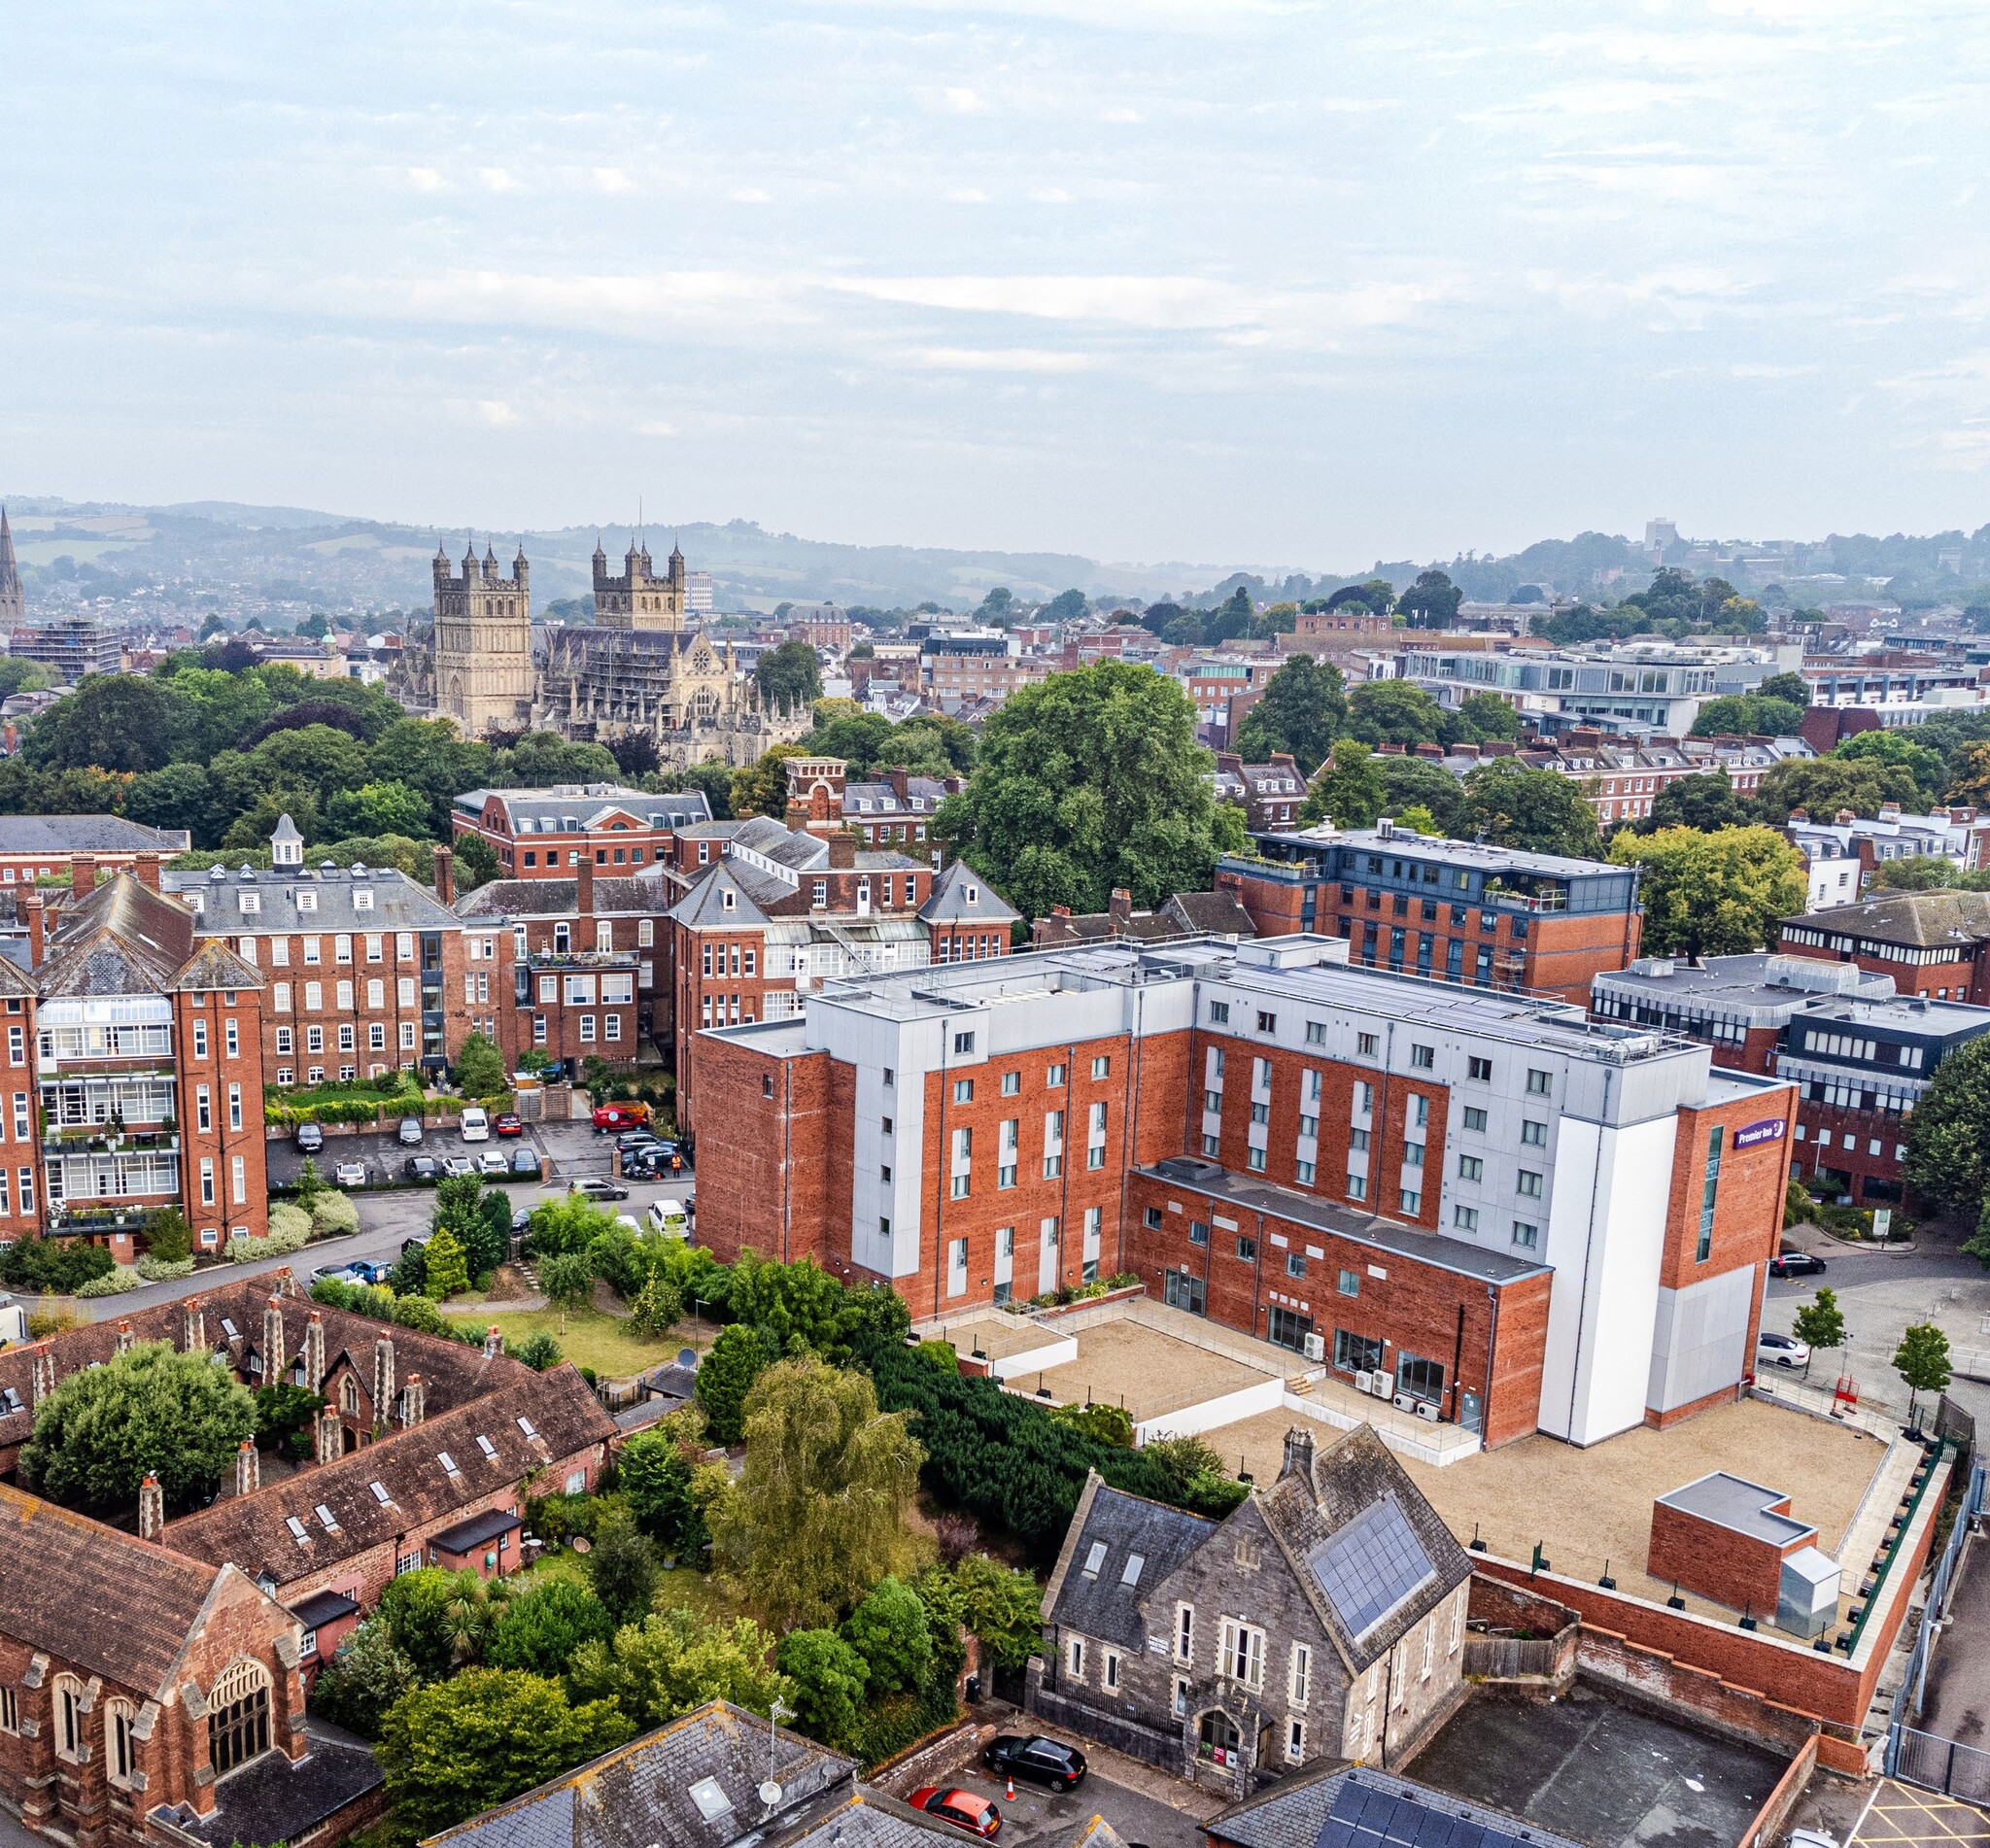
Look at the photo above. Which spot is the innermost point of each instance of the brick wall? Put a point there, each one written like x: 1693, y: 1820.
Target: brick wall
x: 224, y: 1078
x: 773, y: 1146
x: 1717, y: 1562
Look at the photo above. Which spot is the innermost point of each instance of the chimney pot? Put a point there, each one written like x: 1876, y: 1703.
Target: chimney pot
x: 842, y: 850
x: 247, y: 1468
x: 445, y: 876
x: 152, y: 1508
x: 1120, y: 904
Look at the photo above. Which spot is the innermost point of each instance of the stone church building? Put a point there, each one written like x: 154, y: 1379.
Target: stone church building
x: 640, y: 670
x: 1322, y: 1619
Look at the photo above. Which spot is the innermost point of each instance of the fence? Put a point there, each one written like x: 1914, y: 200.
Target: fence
x: 1522, y: 1657
x: 1924, y: 1758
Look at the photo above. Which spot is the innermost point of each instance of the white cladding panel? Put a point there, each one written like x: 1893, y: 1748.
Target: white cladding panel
x: 1701, y: 1342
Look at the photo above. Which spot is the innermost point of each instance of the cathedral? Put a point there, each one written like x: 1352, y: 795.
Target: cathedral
x: 637, y: 672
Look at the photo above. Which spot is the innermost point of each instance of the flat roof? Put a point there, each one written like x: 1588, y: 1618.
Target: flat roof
x: 1249, y: 1193
x: 1739, y: 1505
x: 474, y: 1531
x: 1474, y: 854
x: 1760, y: 982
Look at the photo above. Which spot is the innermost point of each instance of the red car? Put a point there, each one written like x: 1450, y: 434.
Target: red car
x: 633, y: 1115
x: 506, y: 1123
x: 964, y: 1809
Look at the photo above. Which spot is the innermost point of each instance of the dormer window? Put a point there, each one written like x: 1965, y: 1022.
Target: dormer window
x: 307, y: 901
x: 363, y: 898
x: 250, y: 901
x: 727, y: 902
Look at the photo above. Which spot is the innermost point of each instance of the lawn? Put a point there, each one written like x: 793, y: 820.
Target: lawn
x: 608, y: 1343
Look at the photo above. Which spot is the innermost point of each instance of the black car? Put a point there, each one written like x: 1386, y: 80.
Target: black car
x: 1795, y: 1265
x: 1044, y: 1760
x: 422, y: 1168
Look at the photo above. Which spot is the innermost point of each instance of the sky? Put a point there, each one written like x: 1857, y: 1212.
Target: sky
x: 1258, y: 282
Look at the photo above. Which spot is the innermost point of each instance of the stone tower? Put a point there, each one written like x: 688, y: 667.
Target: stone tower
x: 639, y: 599
x: 13, y: 598
x: 483, y: 646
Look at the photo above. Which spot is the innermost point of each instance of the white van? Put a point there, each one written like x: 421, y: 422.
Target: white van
x: 477, y: 1126
x: 668, y: 1217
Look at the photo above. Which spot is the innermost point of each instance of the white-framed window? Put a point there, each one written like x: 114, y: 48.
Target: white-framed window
x: 1242, y: 1653
x: 1185, y: 1632
x: 69, y: 1740
x: 1181, y: 1696
x: 1074, y: 1657
x: 120, y: 1749
x: 1429, y: 1647
x: 1108, y: 1671
x: 1295, y: 1740
x: 1299, y: 1675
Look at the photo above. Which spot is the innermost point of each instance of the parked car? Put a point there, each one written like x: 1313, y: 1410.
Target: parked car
x: 964, y: 1809
x: 638, y: 1139
x: 420, y: 1168
x: 363, y: 1271
x: 524, y: 1161
x: 335, y: 1274
x: 670, y: 1217
x: 493, y: 1161
x: 507, y: 1123
x: 310, y: 1137
x: 1780, y: 1351
x: 623, y: 1115
x: 410, y: 1132
x: 350, y: 1174
x: 1042, y: 1760
x: 458, y: 1165
x: 415, y: 1241
x: 521, y: 1223
x: 477, y: 1126
x: 1795, y: 1265
x: 600, y: 1189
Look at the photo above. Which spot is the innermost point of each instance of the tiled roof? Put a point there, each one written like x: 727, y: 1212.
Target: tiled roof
x: 112, y: 1603
x: 85, y: 833
x: 1924, y: 920
x: 253, y: 1531
x: 960, y: 894
x: 704, y: 904
x: 1208, y: 913
x: 1103, y: 1603
x: 505, y: 899
x: 1375, y: 1807
x: 125, y: 938
x: 310, y: 898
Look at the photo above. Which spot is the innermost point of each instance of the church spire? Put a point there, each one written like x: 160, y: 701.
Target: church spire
x: 13, y: 598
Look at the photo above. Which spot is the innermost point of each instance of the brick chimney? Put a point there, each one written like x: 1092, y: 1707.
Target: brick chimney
x: 413, y: 1403
x: 147, y: 869
x: 247, y: 1468
x: 842, y: 850
x: 273, y: 1352
x: 1119, y: 906
x: 37, y: 908
x: 126, y: 1338
x: 1298, y: 1459
x: 82, y: 875
x: 584, y: 884
x: 45, y: 1373
x: 196, y: 1327
x: 331, y: 1436
x: 445, y: 876
x: 383, y: 1378
x: 314, y: 1351
x: 493, y: 1342
x: 152, y: 1508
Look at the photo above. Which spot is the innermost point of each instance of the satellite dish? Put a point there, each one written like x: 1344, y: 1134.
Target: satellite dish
x: 771, y: 1793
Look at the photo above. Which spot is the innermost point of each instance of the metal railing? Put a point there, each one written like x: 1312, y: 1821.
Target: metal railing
x: 1925, y: 1757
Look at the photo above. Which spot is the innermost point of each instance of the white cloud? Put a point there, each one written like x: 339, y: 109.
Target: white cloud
x: 424, y: 179
x: 496, y: 413
x: 497, y: 178
x: 749, y: 195
x: 964, y: 102
x: 1000, y: 360
x: 612, y: 179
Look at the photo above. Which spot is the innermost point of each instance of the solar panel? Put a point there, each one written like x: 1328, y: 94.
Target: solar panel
x: 1363, y: 1817
x: 1370, y: 1566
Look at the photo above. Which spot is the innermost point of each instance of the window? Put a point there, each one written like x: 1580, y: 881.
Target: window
x: 1357, y: 1186
x: 1108, y: 1671
x: 1709, y: 1188
x: 1074, y: 1657
x: 1357, y: 1141
x: 1413, y: 1155
x: 1471, y: 1168
x: 1242, y: 1653
x: 1305, y: 1171
x: 1367, y: 1045
x: 1315, y: 1033
x: 1410, y: 1202
x: 1102, y: 1066
x: 1198, y: 1231
x: 1533, y: 1135
x: 963, y: 1044
x: 1528, y: 1236
x: 1247, y: 1248
x: 1181, y: 1696
x: 1296, y: 1263
x: 1185, y: 1632
x: 68, y: 1717
x: 1295, y: 1741
x: 1364, y: 1097
x: 238, y: 1716
x: 200, y: 1038
x: 1422, y: 1057
x: 1540, y: 1083
x: 120, y: 1749
x: 1465, y: 1218
x: 1053, y: 1076
x: 1011, y: 1084
x: 1299, y: 1677
x: 1357, y: 1354
x: 1349, y: 1284
x: 9, y: 1711
x: 1267, y: 1022
x: 1220, y: 1013
x: 1480, y: 1069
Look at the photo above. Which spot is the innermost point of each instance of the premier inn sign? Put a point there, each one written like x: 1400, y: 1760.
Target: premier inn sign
x: 1771, y: 1129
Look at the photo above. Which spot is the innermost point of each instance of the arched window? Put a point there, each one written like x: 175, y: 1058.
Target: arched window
x: 349, y: 1395
x: 238, y: 1716
x: 69, y: 1717
x: 120, y: 1749
x: 1219, y: 1738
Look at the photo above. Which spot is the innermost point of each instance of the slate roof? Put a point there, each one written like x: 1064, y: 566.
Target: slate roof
x: 1348, y: 1479
x: 85, y: 833
x: 254, y: 1532
x: 1103, y: 1604
x: 398, y: 904
x: 474, y: 1531
x: 1921, y: 920
x: 322, y: 1608
x: 703, y: 905
x: 271, y: 1798
x: 529, y: 811
x: 125, y: 938
x: 1334, y: 1805
x: 639, y: 1796
x: 504, y: 898
x: 960, y: 895
x: 1208, y: 913
x: 112, y: 1603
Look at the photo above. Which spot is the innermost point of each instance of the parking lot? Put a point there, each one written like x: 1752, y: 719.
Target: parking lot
x: 1039, y: 1816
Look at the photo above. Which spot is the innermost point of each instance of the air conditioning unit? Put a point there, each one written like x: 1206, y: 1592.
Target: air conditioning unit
x: 1406, y: 1401
x: 1316, y: 1346
x: 1385, y: 1383
x: 1364, y: 1382
x: 1427, y: 1410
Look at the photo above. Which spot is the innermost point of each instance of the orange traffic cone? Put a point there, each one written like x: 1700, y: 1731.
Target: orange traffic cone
x: 1010, y: 1792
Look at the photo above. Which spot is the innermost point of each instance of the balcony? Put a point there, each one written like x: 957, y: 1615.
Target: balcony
x: 557, y: 959
x: 106, y: 1139
x: 94, y: 1215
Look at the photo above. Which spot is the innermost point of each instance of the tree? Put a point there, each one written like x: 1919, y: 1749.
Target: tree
x: 447, y: 1272
x: 1819, y: 1324
x: 789, y: 677
x: 889, y: 1631
x: 1065, y: 606
x: 1719, y: 894
x: 791, y: 1303
x: 1004, y: 1609
x: 480, y: 1067
x: 1969, y: 778
x: 1536, y: 810
x: 568, y: 1279
x: 1232, y: 618
x: 761, y: 788
x: 570, y: 1223
x: 1302, y: 711
x: 1483, y: 717
x: 542, y: 1626
x: 1948, y: 1134
x: 1705, y: 801
x: 378, y: 808
x: 1929, y: 768
x: 1746, y: 714
x: 656, y: 1480
x: 1394, y: 713
x: 1917, y: 873
x: 1414, y: 782
x: 818, y: 1513
x: 657, y: 1307
x: 1432, y: 601
x: 463, y: 1745
x: 1349, y: 792
x: 1376, y: 594
x: 828, y: 1678
x: 147, y: 1411
x: 1977, y: 1244
x: 1922, y: 1361
x: 167, y: 1235
x: 116, y: 722
x: 623, y: 1567
x: 362, y: 1680
x: 1791, y: 688
x: 1089, y: 781
x: 715, y: 776
x: 281, y: 1411
x: 1823, y: 785
x: 675, y: 1660
x: 439, y: 1620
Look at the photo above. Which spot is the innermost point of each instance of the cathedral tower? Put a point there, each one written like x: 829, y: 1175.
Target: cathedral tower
x: 13, y: 598
x: 639, y: 599
x: 482, y: 647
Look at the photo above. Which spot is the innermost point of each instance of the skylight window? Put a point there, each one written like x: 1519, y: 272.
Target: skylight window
x: 1095, y: 1559
x: 447, y: 1461
x: 229, y: 1329
x: 296, y: 1529
x: 363, y: 898
x: 380, y: 1495
x: 484, y: 1445
x: 1130, y: 1575
x: 326, y: 1516
x: 525, y: 1425
x: 307, y: 901
x: 712, y: 1800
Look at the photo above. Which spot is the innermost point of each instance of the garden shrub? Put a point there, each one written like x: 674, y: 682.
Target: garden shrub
x: 332, y: 1214
x: 115, y: 1282
x: 53, y: 1266
x: 160, y: 1270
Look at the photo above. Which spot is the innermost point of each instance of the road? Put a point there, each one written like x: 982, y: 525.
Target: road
x: 568, y: 1152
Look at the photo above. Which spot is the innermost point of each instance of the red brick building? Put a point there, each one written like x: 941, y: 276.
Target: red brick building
x: 893, y: 809
x: 1270, y: 795
x: 545, y: 833
x: 1935, y: 944
x: 48, y: 846
x: 973, y: 1135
